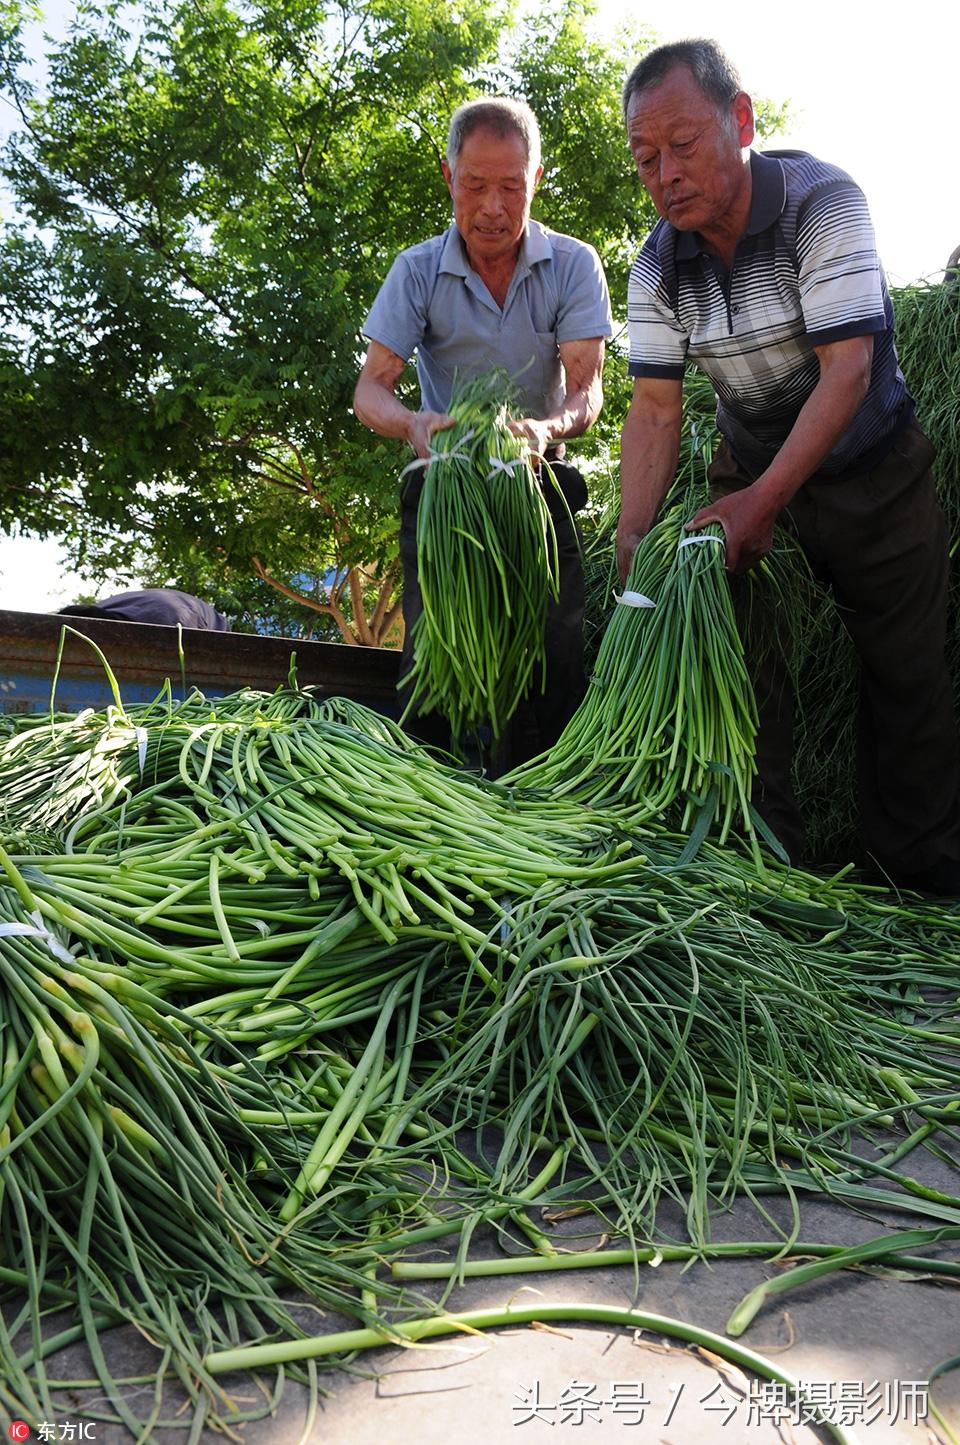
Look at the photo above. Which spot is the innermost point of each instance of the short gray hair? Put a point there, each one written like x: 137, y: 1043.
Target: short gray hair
x: 499, y: 114
x: 713, y: 72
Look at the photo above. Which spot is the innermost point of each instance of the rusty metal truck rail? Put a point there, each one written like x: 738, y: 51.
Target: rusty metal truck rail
x: 143, y: 656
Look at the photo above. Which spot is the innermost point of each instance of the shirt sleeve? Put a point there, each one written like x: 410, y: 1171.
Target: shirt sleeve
x: 658, y: 343
x: 584, y: 310
x: 398, y: 316
x: 840, y: 276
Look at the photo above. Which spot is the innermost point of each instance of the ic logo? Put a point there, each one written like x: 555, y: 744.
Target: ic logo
x: 19, y: 1430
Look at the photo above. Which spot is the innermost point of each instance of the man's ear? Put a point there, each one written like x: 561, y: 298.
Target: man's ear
x: 536, y: 180
x: 447, y: 174
x: 743, y: 118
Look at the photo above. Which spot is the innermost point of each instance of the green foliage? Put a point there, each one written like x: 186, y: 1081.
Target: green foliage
x: 212, y: 197
x: 573, y: 81
x: 208, y: 197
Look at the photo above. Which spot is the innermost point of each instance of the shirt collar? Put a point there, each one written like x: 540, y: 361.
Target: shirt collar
x: 534, y: 248
x: 768, y: 196
x: 453, y: 257
x: 536, y: 245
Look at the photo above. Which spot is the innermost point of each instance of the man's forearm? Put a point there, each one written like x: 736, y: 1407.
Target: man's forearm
x: 821, y: 422
x: 650, y: 449
x: 375, y: 404
x: 582, y: 363
x: 577, y: 413
x: 748, y: 516
x: 377, y: 408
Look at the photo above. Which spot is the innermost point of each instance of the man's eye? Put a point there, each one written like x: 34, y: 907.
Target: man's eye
x: 646, y: 163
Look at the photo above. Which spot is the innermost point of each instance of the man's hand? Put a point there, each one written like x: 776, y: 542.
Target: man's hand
x: 422, y: 426
x: 537, y: 434
x: 747, y: 518
x: 628, y: 540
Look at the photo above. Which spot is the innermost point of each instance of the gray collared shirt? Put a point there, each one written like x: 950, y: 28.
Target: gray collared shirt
x: 434, y: 303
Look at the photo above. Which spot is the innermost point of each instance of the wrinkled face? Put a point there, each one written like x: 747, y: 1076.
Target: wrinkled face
x: 492, y: 186
x: 689, y: 152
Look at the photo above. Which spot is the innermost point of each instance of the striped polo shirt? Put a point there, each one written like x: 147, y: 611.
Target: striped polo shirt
x: 805, y: 273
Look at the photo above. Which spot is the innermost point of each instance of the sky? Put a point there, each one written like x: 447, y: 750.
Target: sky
x: 871, y: 88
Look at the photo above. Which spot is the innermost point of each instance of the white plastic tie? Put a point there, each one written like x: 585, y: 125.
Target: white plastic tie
x: 38, y: 929
x: 142, y: 738
x: 633, y: 599
x: 497, y: 464
x: 18, y: 930
x: 416, y: 464
x: 700, y: 537
x: 455, y: 454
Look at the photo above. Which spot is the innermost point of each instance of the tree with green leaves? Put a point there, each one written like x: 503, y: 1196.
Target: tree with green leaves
x: 207, y: 198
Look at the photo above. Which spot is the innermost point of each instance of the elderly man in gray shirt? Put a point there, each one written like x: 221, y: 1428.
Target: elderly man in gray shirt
x: 496, y: 290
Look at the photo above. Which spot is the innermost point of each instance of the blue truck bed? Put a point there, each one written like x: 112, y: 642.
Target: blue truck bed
x: 143, y: 656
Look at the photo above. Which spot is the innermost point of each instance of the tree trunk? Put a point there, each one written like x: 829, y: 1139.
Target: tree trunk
x: 360, y: 630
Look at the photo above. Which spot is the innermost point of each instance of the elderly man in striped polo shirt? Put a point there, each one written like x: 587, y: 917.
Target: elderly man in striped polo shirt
x: 763, y: 272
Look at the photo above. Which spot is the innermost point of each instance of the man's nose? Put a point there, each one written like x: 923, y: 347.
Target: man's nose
x: 670, y: 169
x: 493, y: 202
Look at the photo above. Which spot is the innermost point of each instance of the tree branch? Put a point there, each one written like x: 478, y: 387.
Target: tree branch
x: 326, y: 607
x: 394, y: 618
x: 387, y: 585
x: 359, y: 614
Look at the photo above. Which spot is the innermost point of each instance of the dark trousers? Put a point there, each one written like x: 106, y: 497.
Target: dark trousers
x: 552, y: 698
x: 877, y: 537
